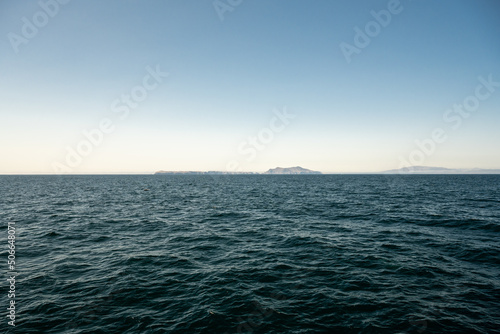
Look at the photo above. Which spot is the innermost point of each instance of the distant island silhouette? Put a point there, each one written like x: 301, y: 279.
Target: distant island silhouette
x: 163, y: 172
x: 291, y: 170
x: 304, y: 171
x: 440, y: 170
x: 278, y: 170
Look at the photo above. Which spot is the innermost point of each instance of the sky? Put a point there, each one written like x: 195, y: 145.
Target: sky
x: 239, y: 85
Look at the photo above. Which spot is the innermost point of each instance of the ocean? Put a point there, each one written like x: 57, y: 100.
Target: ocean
x: 253, y: 253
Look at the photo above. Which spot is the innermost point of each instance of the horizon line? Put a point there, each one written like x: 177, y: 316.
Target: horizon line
x: 439, y: 170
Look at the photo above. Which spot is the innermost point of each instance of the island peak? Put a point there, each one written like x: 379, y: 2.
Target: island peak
x: 291, y: 170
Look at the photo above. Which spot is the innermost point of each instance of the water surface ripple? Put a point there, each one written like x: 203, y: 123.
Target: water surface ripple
x: 255, y: 253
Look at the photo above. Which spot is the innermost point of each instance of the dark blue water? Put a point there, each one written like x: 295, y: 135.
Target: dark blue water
x: 254, y: 254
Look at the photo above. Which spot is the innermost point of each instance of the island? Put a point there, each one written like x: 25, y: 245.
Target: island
x: 163, y: 172
x: 277, y: 171
x: 291, y: 170
x: 440, y: 170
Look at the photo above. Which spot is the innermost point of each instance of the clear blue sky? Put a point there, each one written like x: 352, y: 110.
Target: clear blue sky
x: 228, y: 78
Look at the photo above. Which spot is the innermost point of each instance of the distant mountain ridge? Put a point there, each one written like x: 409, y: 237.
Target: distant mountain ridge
x: 440, y: 170
x: 291, y: 170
